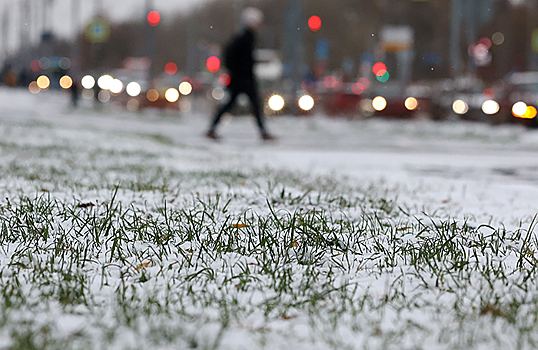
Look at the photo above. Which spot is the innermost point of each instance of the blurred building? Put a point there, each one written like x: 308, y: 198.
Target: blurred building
x: 430, y: 39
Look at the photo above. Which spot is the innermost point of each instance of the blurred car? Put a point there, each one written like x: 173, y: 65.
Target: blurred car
x: 301, y: 103
x: 519, y: 94
x: 276, y: 93
x: 340, y: 98
x: 394, y: 99
x: 469, y: 99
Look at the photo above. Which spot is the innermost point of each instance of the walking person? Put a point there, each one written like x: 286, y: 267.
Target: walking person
x: 75, y: 92
x: 239, y: 60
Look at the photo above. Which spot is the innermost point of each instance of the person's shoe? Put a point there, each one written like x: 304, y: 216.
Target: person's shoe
x: 268, y: 137
x: 211, y: 135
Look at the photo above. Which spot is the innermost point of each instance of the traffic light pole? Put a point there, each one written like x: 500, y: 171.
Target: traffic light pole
x: 532, y: 12
x: 294, y: 42
x: 5, y: 33
x: 455, y: 36
x: 192, y: 53
x: 24, y: 6
x: 150, y: 43
x: 75, y: 23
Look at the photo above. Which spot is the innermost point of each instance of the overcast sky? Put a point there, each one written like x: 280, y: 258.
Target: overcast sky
x: 117, y: 10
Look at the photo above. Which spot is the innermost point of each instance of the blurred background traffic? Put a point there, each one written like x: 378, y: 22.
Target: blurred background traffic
x: 436, y: 59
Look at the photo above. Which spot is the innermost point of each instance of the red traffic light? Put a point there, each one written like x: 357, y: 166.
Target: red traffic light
x: 170, y: 68
x: 314, y: 23
x: 213, y: 64
x: 154, y: 18
x: 379, y: 69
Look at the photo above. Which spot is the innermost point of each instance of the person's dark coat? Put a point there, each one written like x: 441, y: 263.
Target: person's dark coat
x: 239, y: 60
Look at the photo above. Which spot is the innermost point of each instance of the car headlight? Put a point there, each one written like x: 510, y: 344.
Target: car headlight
x: 490, y: 107
x: 411, y: 103
x: 379, y: 103
x: 276, y: 103
x: 171, y: 95
x: 116, y: 87
x: 306, y: 102
x: 460, y: 107
x: 88, y: 82
x: 519, y: 109
x: 105, y: 82
x: 133, y: 89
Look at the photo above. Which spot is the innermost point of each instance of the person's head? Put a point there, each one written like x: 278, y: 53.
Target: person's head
x: 252, y: 18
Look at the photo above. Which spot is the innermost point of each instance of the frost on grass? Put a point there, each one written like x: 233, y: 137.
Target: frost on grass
x: 256, y: 259
x: 118, y: 242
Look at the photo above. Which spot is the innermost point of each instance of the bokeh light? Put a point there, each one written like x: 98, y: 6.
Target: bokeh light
x: 489, y: 94
x: 185, y: 105
x: 306, y: 102
x: 490, y: 107
x: 411, y: 103
x: 383, y: 78
x: 64, y: 63
x: 45, y: 63
x: 87, y: 94
x: 154, y: 18
x: 224, y: 79
x: 218, y: 94
x: 170, y: 68
x: 104, y: 96
x: 330, y: 82
x: 276, y: 103
x: 185, y: 88
x: 133, y: 104
x: 34, y: 89
x: 66, y: 82
x: 105, y: 82
x: 519, y: 109
x: 379, y: 103
x: 88, y: 82
x: 43, y: 82
x: 116, y: 87
x: 497, y: 38
x: 379, y: 69
x: 357, y: 88
x: 213, y: 64
x: 460, y: 107
x: 36, y: 66
x: 364, y: 82
x: 171, y: 95
x: 314, y: 23
x: 152, y: 95
x: 531, y: 112
x: 133, y: 89
x: 486, y: 42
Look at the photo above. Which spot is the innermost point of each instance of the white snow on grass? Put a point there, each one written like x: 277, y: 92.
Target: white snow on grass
x: 131, y: 231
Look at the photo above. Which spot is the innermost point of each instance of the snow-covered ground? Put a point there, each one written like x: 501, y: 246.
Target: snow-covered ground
x: 481, y: 170
x: 453, y: 172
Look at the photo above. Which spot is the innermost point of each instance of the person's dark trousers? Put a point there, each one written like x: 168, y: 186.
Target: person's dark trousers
x: 249, y: 88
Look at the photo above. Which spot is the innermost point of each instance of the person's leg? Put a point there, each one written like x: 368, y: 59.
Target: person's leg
x: 252, y: 94
x: 225, y: 108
